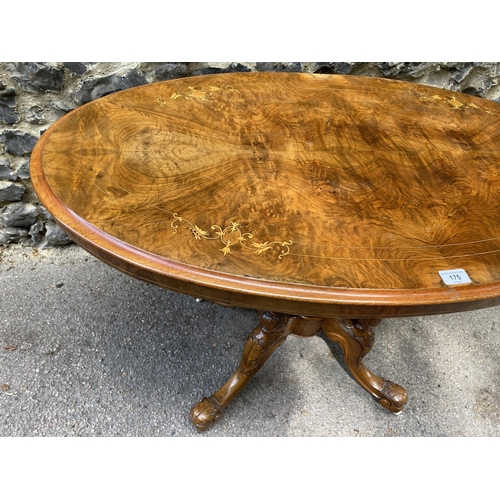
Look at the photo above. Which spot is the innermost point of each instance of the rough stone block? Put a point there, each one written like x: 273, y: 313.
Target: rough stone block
x: 37, y: 77
x: 6, y: 173
x: 35, y: 115
x: 36, y: 231
x: 76, y: 68
x: 400, y: 70
x: 170, y: 71
x: 7, y: 114
x: 99, y: 87
x: 18, y: 143
x: 11, y: 191
x: 61, y: 106
x: 55, y: 235
x: 221, y: 67
x: 12, y: 235
x: 19, y: 215
x: 23, y: 172
x: 282, y: 66
x: 7, y: 96
x: 332, y: 68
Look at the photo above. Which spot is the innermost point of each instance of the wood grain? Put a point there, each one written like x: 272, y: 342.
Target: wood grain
x: 319, y: 195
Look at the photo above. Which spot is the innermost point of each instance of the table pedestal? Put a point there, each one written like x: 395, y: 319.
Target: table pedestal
x: 355, y: 337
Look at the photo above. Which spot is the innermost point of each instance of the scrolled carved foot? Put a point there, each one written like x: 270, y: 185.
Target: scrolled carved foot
x: 393, y: 397
x: 205, y: 413
x: 260, y: 344
x: 356, y: 338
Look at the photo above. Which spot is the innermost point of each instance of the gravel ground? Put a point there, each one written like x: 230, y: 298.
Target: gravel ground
x: 88, y: 351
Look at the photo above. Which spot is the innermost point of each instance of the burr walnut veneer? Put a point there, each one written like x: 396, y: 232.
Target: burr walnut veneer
x: 331, y: 201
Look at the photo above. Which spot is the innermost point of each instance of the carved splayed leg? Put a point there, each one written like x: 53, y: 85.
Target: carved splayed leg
x: 356, y: 338
x: 261, y: 343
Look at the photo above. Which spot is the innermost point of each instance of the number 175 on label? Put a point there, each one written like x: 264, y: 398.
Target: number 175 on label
x: 455, y: 277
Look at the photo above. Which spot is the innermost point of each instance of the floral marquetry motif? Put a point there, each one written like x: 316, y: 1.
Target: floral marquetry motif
x: 197, y: 94
x: 231, y: 235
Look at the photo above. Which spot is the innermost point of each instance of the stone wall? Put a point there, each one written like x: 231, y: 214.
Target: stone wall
x: 35, y: 95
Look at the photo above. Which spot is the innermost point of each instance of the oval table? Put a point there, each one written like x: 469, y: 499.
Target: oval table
x: 326, y: 202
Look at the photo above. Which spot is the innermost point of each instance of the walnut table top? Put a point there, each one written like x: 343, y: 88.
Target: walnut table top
x: 312, y: 194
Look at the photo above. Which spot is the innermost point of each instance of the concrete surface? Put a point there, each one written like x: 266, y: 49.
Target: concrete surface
x: 88, y: 351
